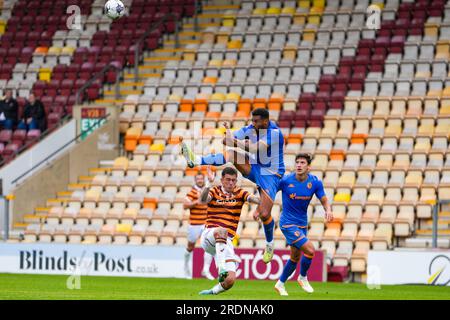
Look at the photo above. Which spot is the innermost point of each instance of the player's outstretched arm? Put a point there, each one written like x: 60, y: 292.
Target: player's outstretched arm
x: 326, y: 206
x: 253, y: 199
x: 189, y: 204
x: 205, y: 197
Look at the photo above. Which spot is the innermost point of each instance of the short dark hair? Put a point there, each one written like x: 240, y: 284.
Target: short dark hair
x: 263, y: 113
x: 230, y: 171
x: 306, y: 156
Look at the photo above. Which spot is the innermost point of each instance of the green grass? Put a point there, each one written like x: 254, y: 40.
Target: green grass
x: 21, y: 286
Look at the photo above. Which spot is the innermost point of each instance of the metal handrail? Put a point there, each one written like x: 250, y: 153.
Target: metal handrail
x: 96, y: 123
x: 99, y: 74
x: 152, y: 28
x: 44, y: 134
x: 435, y: 221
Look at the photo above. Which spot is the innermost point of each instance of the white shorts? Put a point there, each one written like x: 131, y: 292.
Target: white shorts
x: 194, y: 232
x: 208, y: 243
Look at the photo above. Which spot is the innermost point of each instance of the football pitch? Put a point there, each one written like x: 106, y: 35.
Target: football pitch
x: 46, y: 287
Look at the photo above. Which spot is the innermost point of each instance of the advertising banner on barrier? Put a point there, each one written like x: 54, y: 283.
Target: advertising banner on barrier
x: 95, y: 260
x: 252, y: 266
x: 409, y: 267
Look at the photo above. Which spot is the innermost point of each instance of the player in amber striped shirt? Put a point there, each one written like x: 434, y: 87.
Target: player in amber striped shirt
x: 225, y: 204
x: 197, y: 220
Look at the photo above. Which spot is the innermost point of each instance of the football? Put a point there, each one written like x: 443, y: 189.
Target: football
x: 114, y: 9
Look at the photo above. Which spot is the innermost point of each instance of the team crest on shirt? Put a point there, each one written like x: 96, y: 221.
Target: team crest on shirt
x: 309, y: 185
x: 291, y: 186
x: 292, y: 195
x: 297, y: 234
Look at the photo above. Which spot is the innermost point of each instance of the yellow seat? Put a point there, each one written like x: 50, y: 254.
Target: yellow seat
x: 2, y: 26
x: 273, y: 10
x: 215, y: 63
x: 68, y: 50
x: 228, y: 21
x: 45, y: 74
x: 54, y: 51
x: 342, y: 197
x: 218, y: 96
x: 229, y: 63
x: 157, y: 147
x: 259, y: 11
x: 288, y: 10
x: 233, y: 96
x: 123, y: 228
x: 234, y: 44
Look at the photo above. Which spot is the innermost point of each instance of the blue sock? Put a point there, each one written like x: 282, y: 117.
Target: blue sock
x: 214, y: 159
x: 289, y: 267
x: 305, y: 263
x: 268, y: 229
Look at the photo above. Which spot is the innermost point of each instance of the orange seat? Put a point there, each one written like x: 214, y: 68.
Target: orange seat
x: 200, y: 106
x: 192, y: 171
x: 213, y: 115
x: 259, y: 103
x: 186, y: 107
x: 145, y: 139
x: 208, y: 131
x: 274, y: 106
x: 211, y: 80
x: 41, y: 50
x: 244, y: 106
x: 150, y: 203
x: 337, y: 155
x: 174, y: 140
x: 358, y: 138
x: 242, y: 114
x: 295, y: 138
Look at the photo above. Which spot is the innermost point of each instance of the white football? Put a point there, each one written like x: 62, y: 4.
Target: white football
x: 114, y: 9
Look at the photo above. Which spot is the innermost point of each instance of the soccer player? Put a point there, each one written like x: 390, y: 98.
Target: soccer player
x: 197, y: 219
x: 297, y: 190
x: 257, y: 152
x: 225, y: 204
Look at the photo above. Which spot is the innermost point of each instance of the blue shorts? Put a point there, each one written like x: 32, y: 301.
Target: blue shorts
x: 295, y: 236
x: 266, y: 182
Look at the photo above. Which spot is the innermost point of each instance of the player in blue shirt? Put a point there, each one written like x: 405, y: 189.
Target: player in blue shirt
x: 257, y: 152
x: 297, y: 189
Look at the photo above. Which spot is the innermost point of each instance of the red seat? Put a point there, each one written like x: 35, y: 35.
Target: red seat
x: 66, y: 87
x: 33, y: 134
x: 5, y: 135
x: 39, y: 88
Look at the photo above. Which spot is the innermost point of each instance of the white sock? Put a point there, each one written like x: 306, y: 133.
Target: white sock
x: 218, y: 289
x: 198, y: 159
x: 187, y: 257
x: 220, y: 254
x: 270, y: 244
x: 303, y: 277
x: 207, y: 259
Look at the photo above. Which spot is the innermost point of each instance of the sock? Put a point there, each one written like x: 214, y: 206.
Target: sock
x: 218, y: 289
x: 217, y: 159
x: 269, y: 225
x: 289, y: 267
x: 220, y: 254
x: 207, y: 259
x: 187, y: 257
x: 305, y: 263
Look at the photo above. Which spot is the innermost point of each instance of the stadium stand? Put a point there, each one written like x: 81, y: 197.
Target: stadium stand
x: 373, y: 106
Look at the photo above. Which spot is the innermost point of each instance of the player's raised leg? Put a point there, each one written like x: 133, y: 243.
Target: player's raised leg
x: 305, y: 263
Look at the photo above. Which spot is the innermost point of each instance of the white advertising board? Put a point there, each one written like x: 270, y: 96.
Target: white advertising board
x: 409, y: 267
x: 95, y: 260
